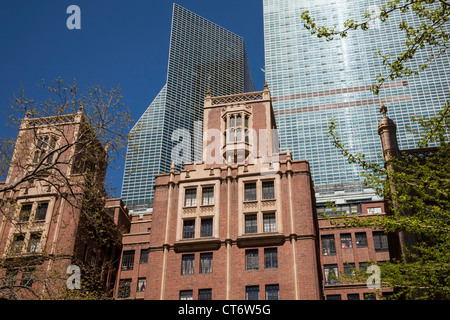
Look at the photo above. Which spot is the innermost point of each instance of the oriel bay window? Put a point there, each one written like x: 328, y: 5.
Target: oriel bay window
x: 251, y: 259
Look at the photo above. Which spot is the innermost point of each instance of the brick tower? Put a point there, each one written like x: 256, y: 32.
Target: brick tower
x: 239, y: 225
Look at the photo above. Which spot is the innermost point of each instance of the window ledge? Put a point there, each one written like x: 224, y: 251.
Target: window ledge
x: 197, y: 244
x: 260, y: 239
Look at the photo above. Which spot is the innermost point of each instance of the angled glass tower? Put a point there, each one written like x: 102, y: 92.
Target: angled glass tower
x: 202, y: 56
x: 312, y: 80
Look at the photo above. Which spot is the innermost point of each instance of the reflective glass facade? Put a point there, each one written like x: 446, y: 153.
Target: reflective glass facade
x: 312, y: 80
x: 202, y: 56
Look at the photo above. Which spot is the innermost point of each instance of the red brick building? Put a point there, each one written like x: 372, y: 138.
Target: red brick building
x: 239, y: 225
x: 345, y: 249
x: 42, y: 228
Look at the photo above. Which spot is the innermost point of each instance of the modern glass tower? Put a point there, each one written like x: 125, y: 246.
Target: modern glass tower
x: 312, y: 80
x: 202, y: 56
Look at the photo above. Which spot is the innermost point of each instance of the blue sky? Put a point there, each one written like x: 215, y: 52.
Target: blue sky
x: 120, y: 42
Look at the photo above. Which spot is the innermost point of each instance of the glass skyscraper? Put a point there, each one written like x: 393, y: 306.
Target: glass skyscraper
x: 202, y: 56
x: 312, y: 80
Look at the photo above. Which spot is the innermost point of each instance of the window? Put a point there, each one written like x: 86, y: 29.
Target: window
x: 142, y: 282
x: 333, y: 297
x: 369, y: 296
x: 269, y: 222
x: 206, y: 261
x: 252, y: 293
x: 204, y: 294
x: 27, y: 278
x: 355, y: 209
x: 17, y: 244
x: 41, y: 212
x: 328, y: 245
x: 188, y: 229
x: 206, y: 227
x: 349, y: 269
x: 93, y: 259
x: 208, y: 196
x: 272, y: 292
x: 270, y: 258
x: 238, y: 135
x: 35, y: 241
x: 232, y: 122
x: 186, y: 295
x: 346, y: 240
x: 353, y: 296
x: 190, y: 199
x: 238, y: 121
x: 250, y: 192
x: 45, y: 145
x: 124, y: 288
x: 25, y: 212
x: 144, y: 256
x: 251, y: 259
x: 251, y: 223
x: 187, y: 264
x: 380, y: 241
x: 374, y: 210
x: 331, y: 274
x: 268, y: 191
x: 345, y: 209
x: 11, y: 277
x: 363, y: 266
x: 128, y: 260
x: 325, y: 212
x: 361, y: 239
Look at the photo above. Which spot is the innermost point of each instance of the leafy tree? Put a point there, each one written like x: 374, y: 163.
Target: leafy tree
x: 72, y: 165
x: 415, y: 186
x: 429, y: 34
